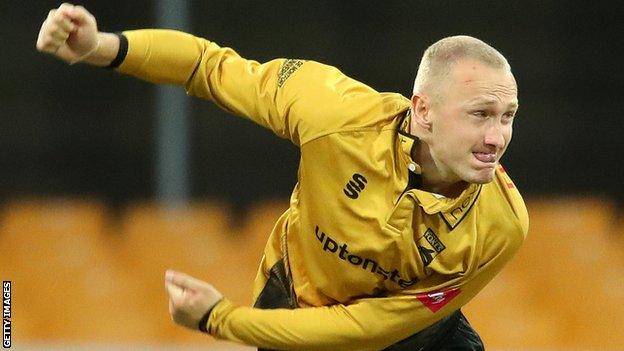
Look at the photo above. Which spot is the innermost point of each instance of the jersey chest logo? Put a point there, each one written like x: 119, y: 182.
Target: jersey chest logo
x: 355, y: 186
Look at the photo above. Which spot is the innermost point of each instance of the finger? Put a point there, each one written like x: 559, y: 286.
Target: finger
x: 51, y: 35
x: 47, y: 43
x: 171, y: 307
x: 63, y: 21
x: 65, y: 6
x: 80, y: 15
x: 57, y: 27
x: 59, y: 36
x: 61, y: 17
x: 184, y: 280
x: 176, y: 294
x: 50, y: 14
x: 54, y: 37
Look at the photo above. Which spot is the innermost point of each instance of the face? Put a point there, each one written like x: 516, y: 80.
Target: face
x: 470, y: 123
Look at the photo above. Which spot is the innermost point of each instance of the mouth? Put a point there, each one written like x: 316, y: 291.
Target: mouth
x: 485, y: 157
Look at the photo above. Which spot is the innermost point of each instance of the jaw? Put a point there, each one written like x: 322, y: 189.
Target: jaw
x: 449, y: 176
x: 482, y: 175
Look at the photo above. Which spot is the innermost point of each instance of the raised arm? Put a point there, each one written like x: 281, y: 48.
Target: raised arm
x: 204, y: 69
x: 298, y: 100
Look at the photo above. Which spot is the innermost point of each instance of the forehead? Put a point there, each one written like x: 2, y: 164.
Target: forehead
x: 476, y: 82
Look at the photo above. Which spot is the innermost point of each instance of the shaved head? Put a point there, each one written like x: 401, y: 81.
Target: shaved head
x: 439, y: 59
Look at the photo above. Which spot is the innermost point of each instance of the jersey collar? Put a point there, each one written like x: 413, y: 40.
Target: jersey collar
x: 452, y: 210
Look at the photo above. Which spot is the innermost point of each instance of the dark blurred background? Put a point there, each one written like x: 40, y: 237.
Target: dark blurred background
x: 90, y: 132
x: 82, y: 171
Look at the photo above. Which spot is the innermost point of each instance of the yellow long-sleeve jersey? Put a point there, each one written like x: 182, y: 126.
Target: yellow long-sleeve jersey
x: 372, y: 258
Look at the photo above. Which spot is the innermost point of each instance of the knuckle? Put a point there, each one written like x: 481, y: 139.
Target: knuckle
x: 50, y: 48
x: 46, y: 41
x: 61, y: 33
x: 50, y: 40
x: 58, y: 15
x: 82, y: 10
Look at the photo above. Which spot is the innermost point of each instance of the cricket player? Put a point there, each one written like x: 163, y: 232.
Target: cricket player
x: 401, y: 214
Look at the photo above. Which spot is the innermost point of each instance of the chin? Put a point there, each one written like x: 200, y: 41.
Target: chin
x: 482, y: 176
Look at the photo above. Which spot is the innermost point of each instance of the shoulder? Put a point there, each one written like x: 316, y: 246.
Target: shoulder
x: 503, y: 200
x: 514, y: 198
x: 324, y: 100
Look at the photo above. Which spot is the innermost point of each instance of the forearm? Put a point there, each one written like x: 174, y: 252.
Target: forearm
x: 365, y: 324
x: 164, y: 56
x: 370, y: 324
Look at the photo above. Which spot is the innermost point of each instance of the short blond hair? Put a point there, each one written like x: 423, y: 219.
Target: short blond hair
x: 439, y: 58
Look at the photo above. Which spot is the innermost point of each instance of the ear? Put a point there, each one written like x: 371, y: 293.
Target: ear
x: 421, y: 118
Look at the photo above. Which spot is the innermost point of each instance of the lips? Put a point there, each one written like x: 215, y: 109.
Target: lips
x: 485, y: 157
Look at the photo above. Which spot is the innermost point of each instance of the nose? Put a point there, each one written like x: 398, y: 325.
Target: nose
x: 495, y: 136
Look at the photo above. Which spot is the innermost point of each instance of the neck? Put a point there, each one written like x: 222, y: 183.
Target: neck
x: 433, y: 178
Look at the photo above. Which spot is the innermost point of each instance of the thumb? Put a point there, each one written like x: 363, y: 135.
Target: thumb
x: 176, y: 293
x: 85, y: 32
x: 183, y: 280
x: 80, y: 15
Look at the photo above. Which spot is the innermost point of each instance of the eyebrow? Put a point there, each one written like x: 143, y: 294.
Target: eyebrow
x: 480, y: 101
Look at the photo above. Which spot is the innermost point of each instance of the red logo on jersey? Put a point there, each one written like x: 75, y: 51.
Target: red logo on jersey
x: 436, y: 300
x: 510, y: 184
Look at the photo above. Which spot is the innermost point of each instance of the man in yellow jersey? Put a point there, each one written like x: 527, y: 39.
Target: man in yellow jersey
x: 401, y: 213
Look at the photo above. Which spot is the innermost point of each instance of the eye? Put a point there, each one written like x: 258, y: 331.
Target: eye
x: 508, y: 117
x: 479, y: 113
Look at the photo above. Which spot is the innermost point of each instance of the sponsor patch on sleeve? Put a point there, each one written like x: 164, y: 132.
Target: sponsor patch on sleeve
x: 438, y: 299
x: 287, y: 69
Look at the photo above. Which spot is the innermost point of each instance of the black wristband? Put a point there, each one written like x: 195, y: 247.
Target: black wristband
x: 204, y: 320
x: 121, y: 54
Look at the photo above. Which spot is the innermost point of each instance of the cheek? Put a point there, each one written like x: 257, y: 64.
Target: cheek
x: 454, y: 136
x: 507, y: 134
x: 455, y: 142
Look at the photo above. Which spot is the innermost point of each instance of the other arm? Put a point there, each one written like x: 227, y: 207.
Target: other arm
x: 364, y: 324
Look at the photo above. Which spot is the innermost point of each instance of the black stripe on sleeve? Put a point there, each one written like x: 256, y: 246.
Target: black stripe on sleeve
x: 121, y: 54
x: 203, y: 322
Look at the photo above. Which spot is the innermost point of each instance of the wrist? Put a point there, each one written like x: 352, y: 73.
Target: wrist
x: 203, y: 322
x: 103, y: 53
x: 89, y: 53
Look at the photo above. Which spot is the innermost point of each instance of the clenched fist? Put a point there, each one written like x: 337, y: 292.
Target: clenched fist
x: 189, y: 299
x: 70, y: 33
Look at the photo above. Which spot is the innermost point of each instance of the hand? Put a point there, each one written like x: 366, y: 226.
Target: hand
x: 189, y: 298
x: 69, y: 33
